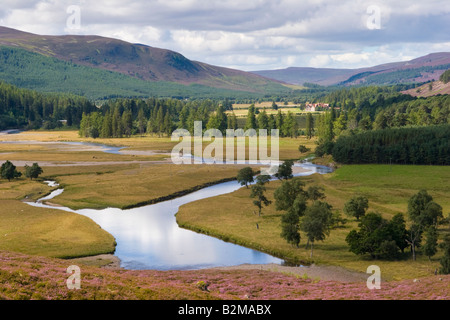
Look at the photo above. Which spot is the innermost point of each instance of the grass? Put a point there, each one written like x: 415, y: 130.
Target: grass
x: 124, y: 186
x: 46, y: 232
x: 388, y: 190
x: 288, y: 147
x: 51, y: 233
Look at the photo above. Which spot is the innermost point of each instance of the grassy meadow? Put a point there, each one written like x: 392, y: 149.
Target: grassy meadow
x: 46, y: 232
x: 127, y: 180
x: 124, y: 186
x: 160, y: 146
x: 121, y: 180
x: 388, y: 189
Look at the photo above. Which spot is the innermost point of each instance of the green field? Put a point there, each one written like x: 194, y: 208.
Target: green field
x: 46, y: 232
x: 388, y: 189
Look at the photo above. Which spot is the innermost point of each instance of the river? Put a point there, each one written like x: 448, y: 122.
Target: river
x: 150, y: 238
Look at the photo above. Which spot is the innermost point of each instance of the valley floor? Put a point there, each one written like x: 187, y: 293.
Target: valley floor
x: 32, y: 239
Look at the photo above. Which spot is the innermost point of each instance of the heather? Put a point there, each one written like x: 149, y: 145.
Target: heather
x: 37, y: 278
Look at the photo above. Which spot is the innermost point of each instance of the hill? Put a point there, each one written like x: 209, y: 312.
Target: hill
x: 429, y: 89
x: 422, y: 69
x: 129, y: 66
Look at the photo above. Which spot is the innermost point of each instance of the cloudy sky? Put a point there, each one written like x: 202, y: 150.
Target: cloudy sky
x: 252, y: 34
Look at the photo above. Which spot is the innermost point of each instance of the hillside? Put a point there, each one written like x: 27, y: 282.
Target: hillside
x: 124, y: 61
x: 422, y: 69
x: 429, y: 89
x: 38, y: 278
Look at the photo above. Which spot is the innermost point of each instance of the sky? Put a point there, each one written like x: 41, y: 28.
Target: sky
x: 252, y: 35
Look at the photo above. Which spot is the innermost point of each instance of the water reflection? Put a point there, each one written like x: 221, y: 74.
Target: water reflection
x: 149, y: 237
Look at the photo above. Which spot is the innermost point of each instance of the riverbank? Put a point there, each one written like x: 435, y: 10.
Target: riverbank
x: 132, y: 185
x: 314, y: 272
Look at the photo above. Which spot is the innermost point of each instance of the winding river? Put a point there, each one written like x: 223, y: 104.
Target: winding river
x: 150, y: 238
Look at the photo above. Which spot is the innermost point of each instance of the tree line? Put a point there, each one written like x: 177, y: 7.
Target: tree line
x: 156, y: 116
x: 417, y: 145
x: 9, y: 171
x: 387, y: 239
x: 22, y: 108
x: 125, y: 117
x: 379, y: 125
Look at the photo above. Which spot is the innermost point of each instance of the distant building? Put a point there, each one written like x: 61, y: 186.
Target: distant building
x: 313, y: 107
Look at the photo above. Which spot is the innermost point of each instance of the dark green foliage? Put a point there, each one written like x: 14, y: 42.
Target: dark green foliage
x: 124, y: 117
x: 398, y: 231
x: 33, y: 172
x: 423, y: 211
x: 21, y: 108
x: 385, y: 107
x: 251, y: 119
x: 309, y: 130
x: 445, y: 260
x: 315, y: 193
x: 285, y: 170
x: 445, y: 77
x: 356, y: 207
x: 290, y: 222
x: 245, y: 176
x: 291, y: 197
x: 421, y: 145
x: 303, y: 149
x: 317, y: 222
x: 9, y: 171
x: 286, y: 194
x: 378, y: 237
x: 258, y: 192
x: 430, y: 245
x: 263, y: 179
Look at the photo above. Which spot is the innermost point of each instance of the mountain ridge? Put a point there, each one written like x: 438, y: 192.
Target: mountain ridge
x: 427, y: 66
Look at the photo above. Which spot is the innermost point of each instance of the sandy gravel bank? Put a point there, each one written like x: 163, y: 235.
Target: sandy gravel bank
x: 325, y: 273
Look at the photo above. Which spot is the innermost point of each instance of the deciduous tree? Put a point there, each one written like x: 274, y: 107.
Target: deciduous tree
x: 317, y: 222
x: 356, y: 207
x: 245, y: 176
x: 33, y: 172
x: 9, y: 171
